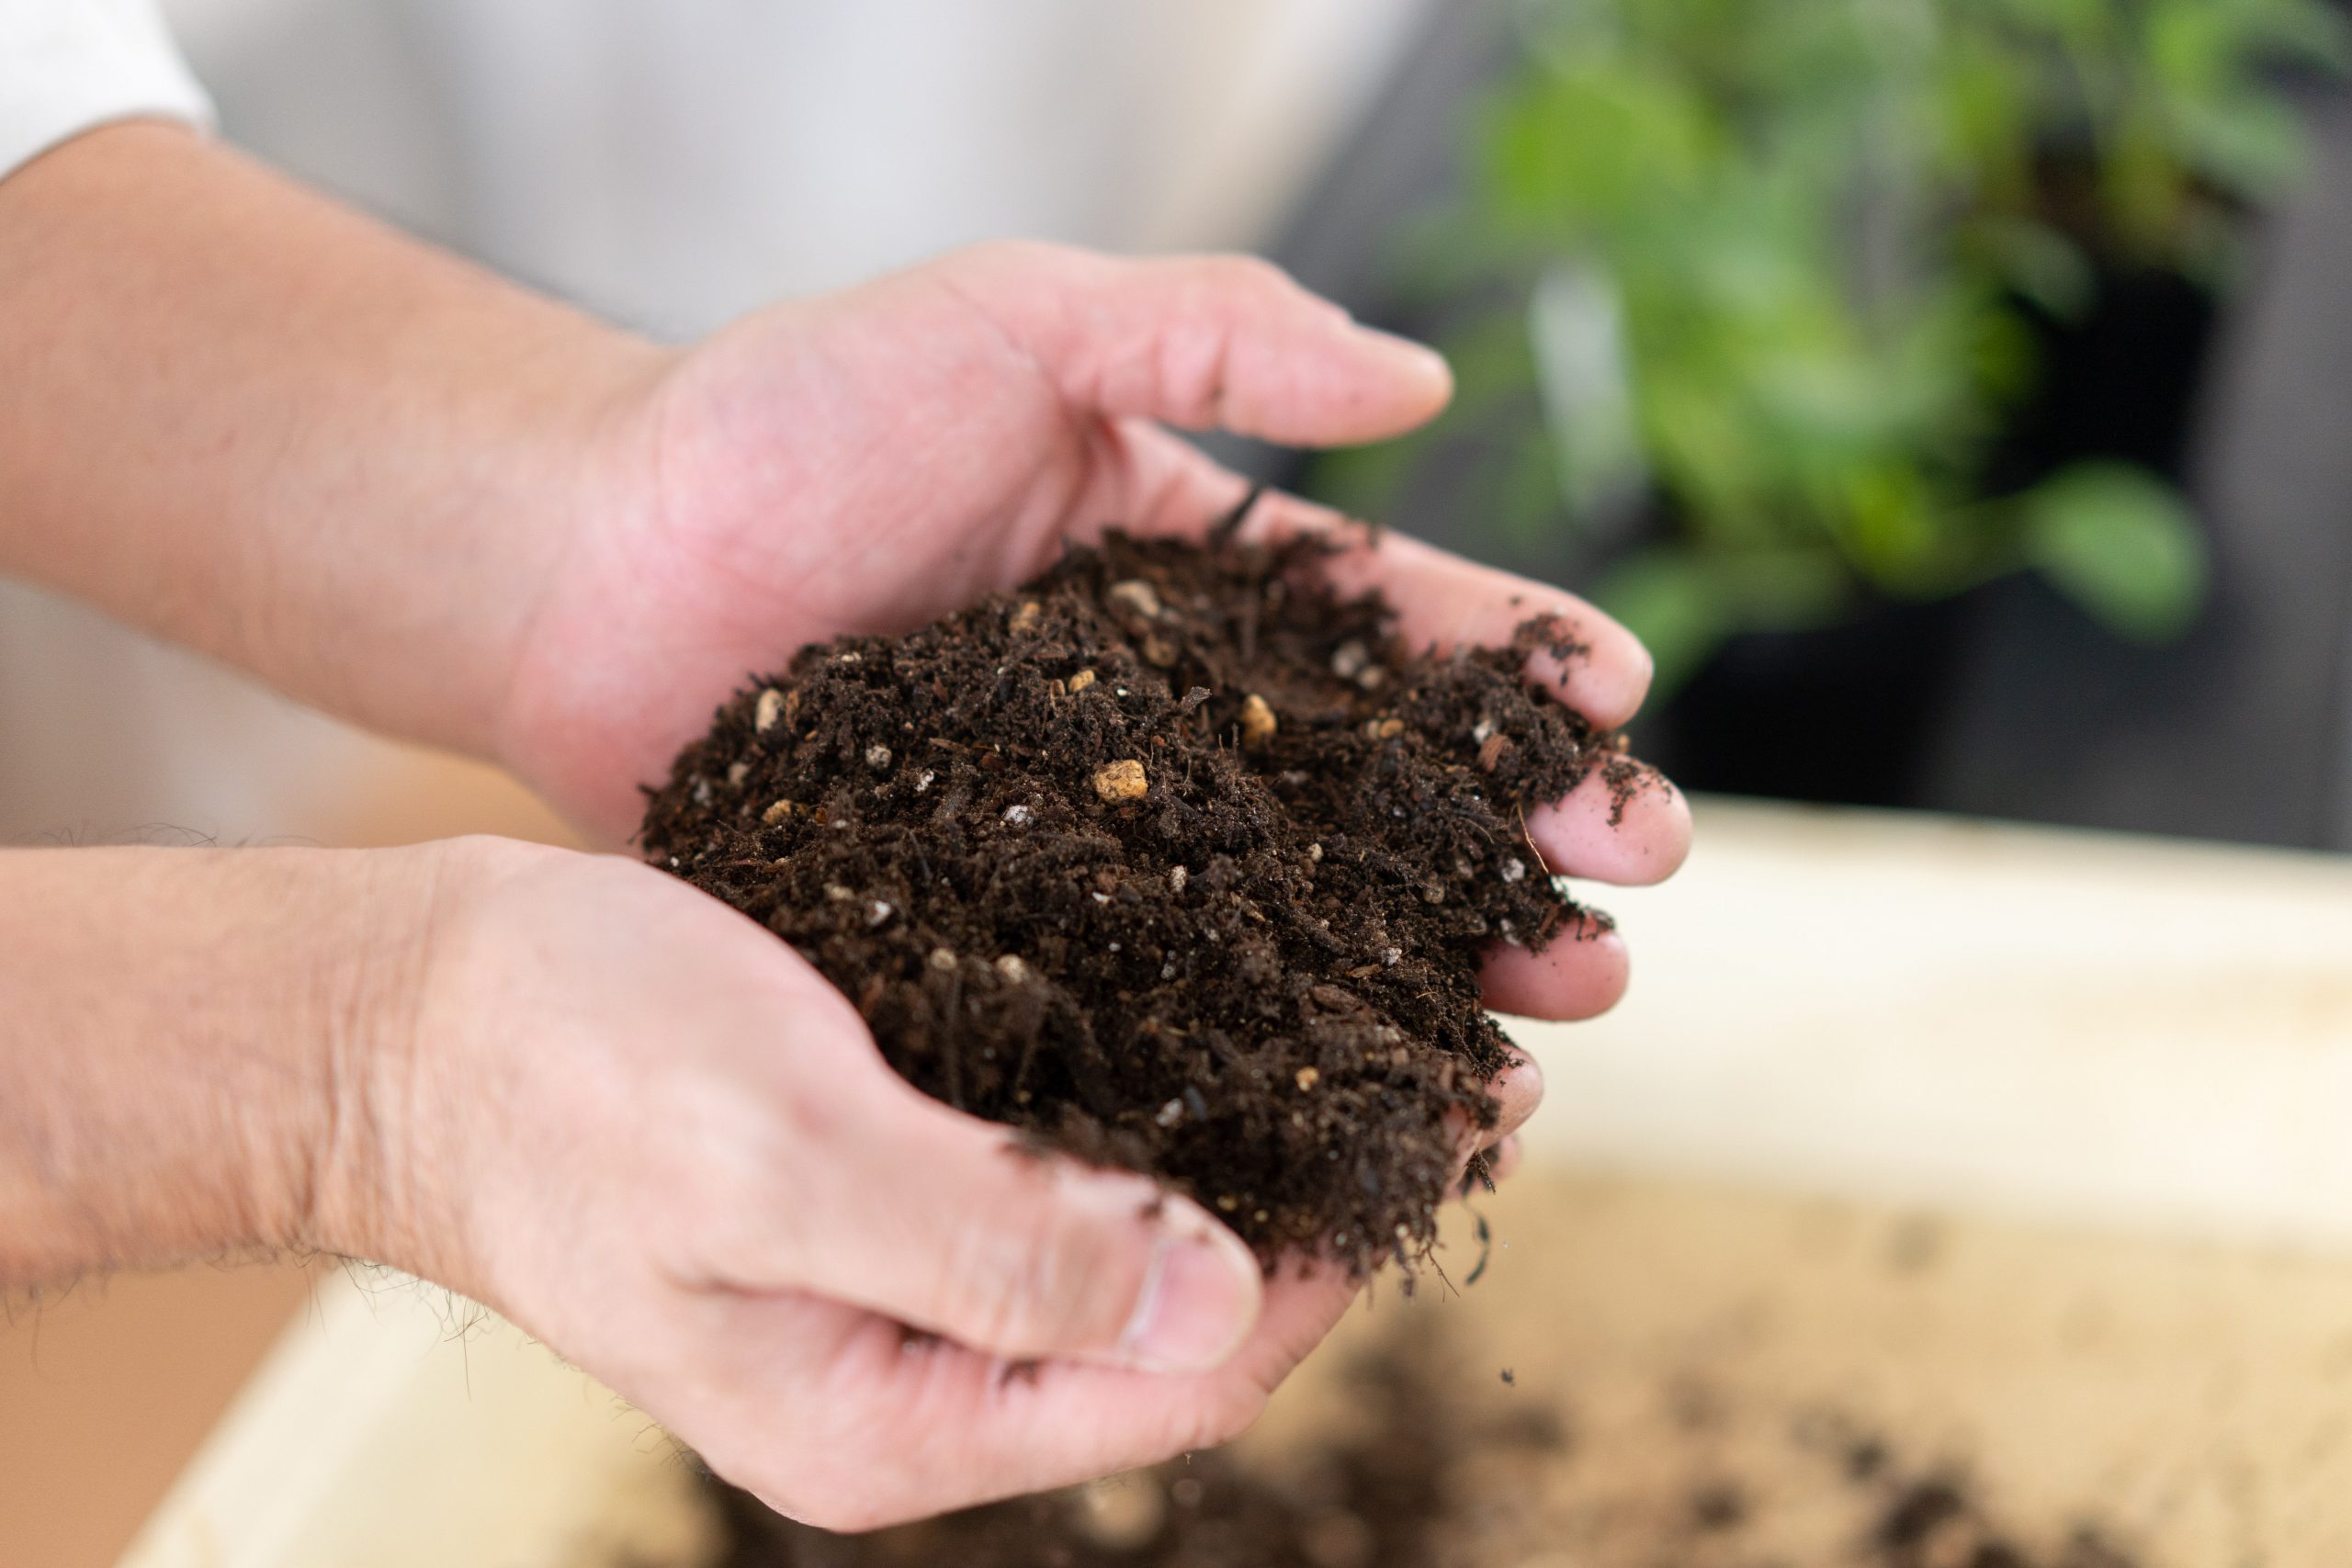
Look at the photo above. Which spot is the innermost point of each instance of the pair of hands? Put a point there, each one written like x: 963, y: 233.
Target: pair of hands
x: 569, y: 1085
x: 660, y: 1140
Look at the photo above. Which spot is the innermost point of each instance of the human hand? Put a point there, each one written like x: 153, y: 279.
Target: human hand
x: 421, y: 498
x: 630, y: 1120
x: 424, y: 498
x: 643, y: 1128
x: 863, y: 464
x: 866, y: 462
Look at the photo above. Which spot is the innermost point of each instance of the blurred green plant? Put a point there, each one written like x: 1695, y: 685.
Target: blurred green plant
x: 1770, y: 269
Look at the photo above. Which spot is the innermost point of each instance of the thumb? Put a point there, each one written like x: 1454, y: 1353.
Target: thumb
x: 1225, y: 340
x: 951, y: 1226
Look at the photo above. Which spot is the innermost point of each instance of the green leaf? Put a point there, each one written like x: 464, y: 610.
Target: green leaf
x: 1683, y: 602
x: 2121, y: 544
x: 2247, y: 143
x: 2308, y: 32
x: 2040, y: 261
x: 1363, y: 481
x: 1667, y: 597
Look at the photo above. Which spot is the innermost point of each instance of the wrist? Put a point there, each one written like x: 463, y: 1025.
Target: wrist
x: 410, y: 1116
x: 342, y: 1189
x: 198, y: 1048
x: 381, y: 1171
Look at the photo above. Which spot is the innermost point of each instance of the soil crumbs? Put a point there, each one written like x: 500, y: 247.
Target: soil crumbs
x: 1175, y: 860
x: 1423, y: 1473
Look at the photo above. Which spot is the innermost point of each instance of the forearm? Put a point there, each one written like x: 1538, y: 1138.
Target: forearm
x: 196, y: 1048
x: 252, y: 421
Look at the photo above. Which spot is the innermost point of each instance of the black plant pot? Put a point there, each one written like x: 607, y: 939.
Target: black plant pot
x: 1854, y: 713
x: 1844, y: 712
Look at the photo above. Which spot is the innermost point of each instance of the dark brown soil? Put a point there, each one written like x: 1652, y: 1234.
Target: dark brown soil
x: 1424, y: 1475
x: 1174, y: 860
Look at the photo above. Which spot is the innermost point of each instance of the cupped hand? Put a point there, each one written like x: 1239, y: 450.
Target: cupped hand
x: 627, y: 1117
x: 866, y: 462
x: 731, y: 1229
x: 642, y: 1128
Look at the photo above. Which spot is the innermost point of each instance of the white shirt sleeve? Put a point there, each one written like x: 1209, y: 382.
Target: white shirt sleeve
x: 67, y: 65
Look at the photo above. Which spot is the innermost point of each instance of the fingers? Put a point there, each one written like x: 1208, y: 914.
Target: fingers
x: 834, y: 1415
x: 1623, y: 832
x: 1503, y: 1159
x: 1444, y: 600
x: 1151, y: 481
x: 1009, y: 1250
x: 1518, y: 1090
x: 1627, y: 832
x: 1581, y: 974
x: 813, y: 1397
x: 837, y: 1418
x: 1225, y: 342
x: 1630, y: 831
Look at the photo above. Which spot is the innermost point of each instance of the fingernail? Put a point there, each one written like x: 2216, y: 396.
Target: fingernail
x: 1198, y: 1301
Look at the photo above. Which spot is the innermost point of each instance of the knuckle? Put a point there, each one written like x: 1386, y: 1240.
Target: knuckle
x: 1254, y: 275
x: 992, y: 258
x: 1036, y: 1284
x: 988, y: 252
x: 1002, y: 1288
x: 1266, y: 287
x: 735, y: 1177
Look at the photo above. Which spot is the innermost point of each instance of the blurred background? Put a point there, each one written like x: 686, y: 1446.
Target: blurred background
x: 1953, y: 392
x: 1957, y: 393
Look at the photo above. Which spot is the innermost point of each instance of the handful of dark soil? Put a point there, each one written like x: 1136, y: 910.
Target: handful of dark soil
x: 1174, y: 860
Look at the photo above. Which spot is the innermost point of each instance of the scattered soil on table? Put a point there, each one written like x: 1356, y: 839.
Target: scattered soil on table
x: 1174, y: 860
x: 1426, y: 1474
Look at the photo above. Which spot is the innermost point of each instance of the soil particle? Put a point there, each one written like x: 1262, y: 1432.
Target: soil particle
x: 1718, y: 1505
x: 1257, y: 723
x: 1211, y: 834
x: 1123, y: 780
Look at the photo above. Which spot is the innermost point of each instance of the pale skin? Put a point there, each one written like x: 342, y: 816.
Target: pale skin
x: 564, y: 1084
